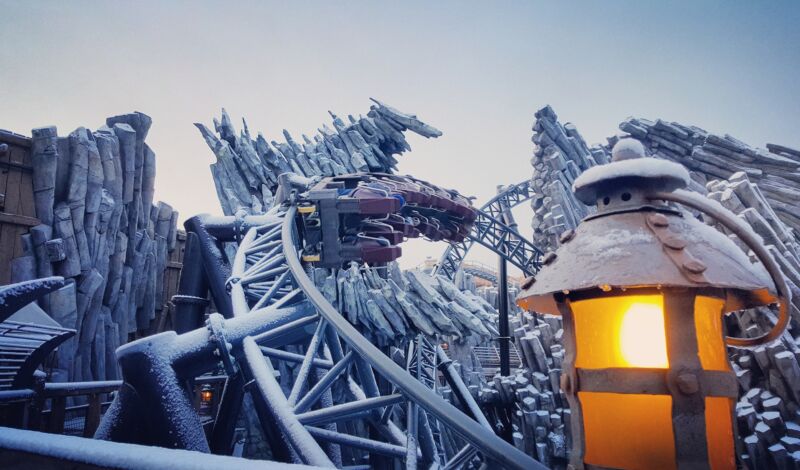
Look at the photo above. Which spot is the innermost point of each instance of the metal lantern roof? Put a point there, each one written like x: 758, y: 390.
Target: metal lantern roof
x: 633, y: 241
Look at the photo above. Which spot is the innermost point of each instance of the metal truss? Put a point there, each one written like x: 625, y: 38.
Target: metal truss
x: 491, y: 232
x: 482, y: 273
x: 336, y: 399
x: 324, y: 394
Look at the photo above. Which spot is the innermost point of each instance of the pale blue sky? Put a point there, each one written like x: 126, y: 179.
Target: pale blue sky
x: 477, y: 71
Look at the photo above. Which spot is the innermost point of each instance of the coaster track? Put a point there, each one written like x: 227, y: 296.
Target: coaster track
x: 490, y: 232
x: 267, y: 274
x: 324, y: 394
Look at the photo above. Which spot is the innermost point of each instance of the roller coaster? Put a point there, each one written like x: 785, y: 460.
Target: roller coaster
x: 325, y: 395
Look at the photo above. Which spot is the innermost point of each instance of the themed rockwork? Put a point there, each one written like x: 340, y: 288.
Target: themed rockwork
x: 247, y: 169
x: 93, y: 193
x: 394, y: 308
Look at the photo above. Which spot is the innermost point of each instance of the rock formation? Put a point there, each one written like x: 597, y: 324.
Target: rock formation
x: 246, y: 172
x: 100, y: 230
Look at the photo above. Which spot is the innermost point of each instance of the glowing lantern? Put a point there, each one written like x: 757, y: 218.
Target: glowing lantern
x: 642, y: 288
x: 206, y: 399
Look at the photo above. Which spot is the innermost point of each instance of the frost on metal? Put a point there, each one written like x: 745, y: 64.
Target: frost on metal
x: 15, y: 296
x: 637, y: 168
x: 103, y: 454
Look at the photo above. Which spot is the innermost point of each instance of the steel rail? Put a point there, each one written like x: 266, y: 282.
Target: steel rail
x: 488, y: 218
x: 483, y: 439
x: 269, y: 388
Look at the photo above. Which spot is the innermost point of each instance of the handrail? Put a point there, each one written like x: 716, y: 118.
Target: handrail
x: 72, y: 389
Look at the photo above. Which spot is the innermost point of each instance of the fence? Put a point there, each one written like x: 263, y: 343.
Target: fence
x: 75, y: 408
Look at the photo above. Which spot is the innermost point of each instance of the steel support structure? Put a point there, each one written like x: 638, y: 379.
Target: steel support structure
x: 313, y: 377
x: 491, y: 232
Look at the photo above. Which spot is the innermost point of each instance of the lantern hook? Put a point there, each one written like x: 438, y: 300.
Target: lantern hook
x: 735, y: 225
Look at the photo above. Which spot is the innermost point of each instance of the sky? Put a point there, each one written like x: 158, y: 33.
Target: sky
x: 477, y: 71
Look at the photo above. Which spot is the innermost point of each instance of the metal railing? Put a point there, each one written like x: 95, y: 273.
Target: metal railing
x: 75, y: 408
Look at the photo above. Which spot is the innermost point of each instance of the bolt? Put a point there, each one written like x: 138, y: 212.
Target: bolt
x: 659, y: 220
x: 687, y: 383
x: 528, y: 282
x: 694, y: 266
x: 567, y: 236
x: 674, y: 242
x: 549, y: 258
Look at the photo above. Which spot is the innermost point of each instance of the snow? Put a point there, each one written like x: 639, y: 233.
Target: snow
x: 612, y: 245
x: 640, y: 167
x: 627, y: 149
x: 118, y: 455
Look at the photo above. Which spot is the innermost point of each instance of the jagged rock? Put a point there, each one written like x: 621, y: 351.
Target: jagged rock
x: 245, y: 174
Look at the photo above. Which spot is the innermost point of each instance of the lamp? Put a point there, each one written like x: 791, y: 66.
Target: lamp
x: 642, y: 288
x: 206, y: 394
x: 206, y: 398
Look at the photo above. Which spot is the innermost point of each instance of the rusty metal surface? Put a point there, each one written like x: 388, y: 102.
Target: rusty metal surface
x: 652, y: 381
x: 619, y: 250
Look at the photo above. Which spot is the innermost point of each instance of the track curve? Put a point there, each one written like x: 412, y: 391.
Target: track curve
x: 267, y: 271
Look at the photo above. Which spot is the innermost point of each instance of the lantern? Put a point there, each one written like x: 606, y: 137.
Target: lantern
x: 206, y: 394
x: 642, y: 288
x: 206, y: 399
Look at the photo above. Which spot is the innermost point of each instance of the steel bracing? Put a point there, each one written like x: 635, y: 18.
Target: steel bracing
x: 338, y: 380
x: 324, y: 394
x: 492, y: 233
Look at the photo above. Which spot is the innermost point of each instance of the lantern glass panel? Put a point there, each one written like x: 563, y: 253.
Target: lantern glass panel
x: 710, y: 337
x: 620, y: 331
x: 719, y: 433
x: 628, y: 431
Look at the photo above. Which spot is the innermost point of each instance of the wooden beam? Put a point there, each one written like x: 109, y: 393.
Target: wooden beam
x: 14, y: 139
x: 16, y: 219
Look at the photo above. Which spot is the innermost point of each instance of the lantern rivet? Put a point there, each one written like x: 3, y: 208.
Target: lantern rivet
x: 567, y: 236
x: 528, y: 282
x: 674, y: 242
x: 687, y: 383
x: 659, y: 220
x: 694, y: 266
x: 549, y: 258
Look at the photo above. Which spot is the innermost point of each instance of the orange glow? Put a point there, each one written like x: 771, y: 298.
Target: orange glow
x: 633, y: 432
x: 642, y: 340
x: 206, y: 395
x: 710, y: 342
x: 719, y: 433
x: 622, y: 331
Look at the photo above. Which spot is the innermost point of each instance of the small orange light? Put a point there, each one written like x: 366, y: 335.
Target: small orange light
x: 206, y: 395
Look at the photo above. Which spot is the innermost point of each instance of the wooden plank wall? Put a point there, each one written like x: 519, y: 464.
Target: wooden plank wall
x: 171, y: 279
x: 17, y: 213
